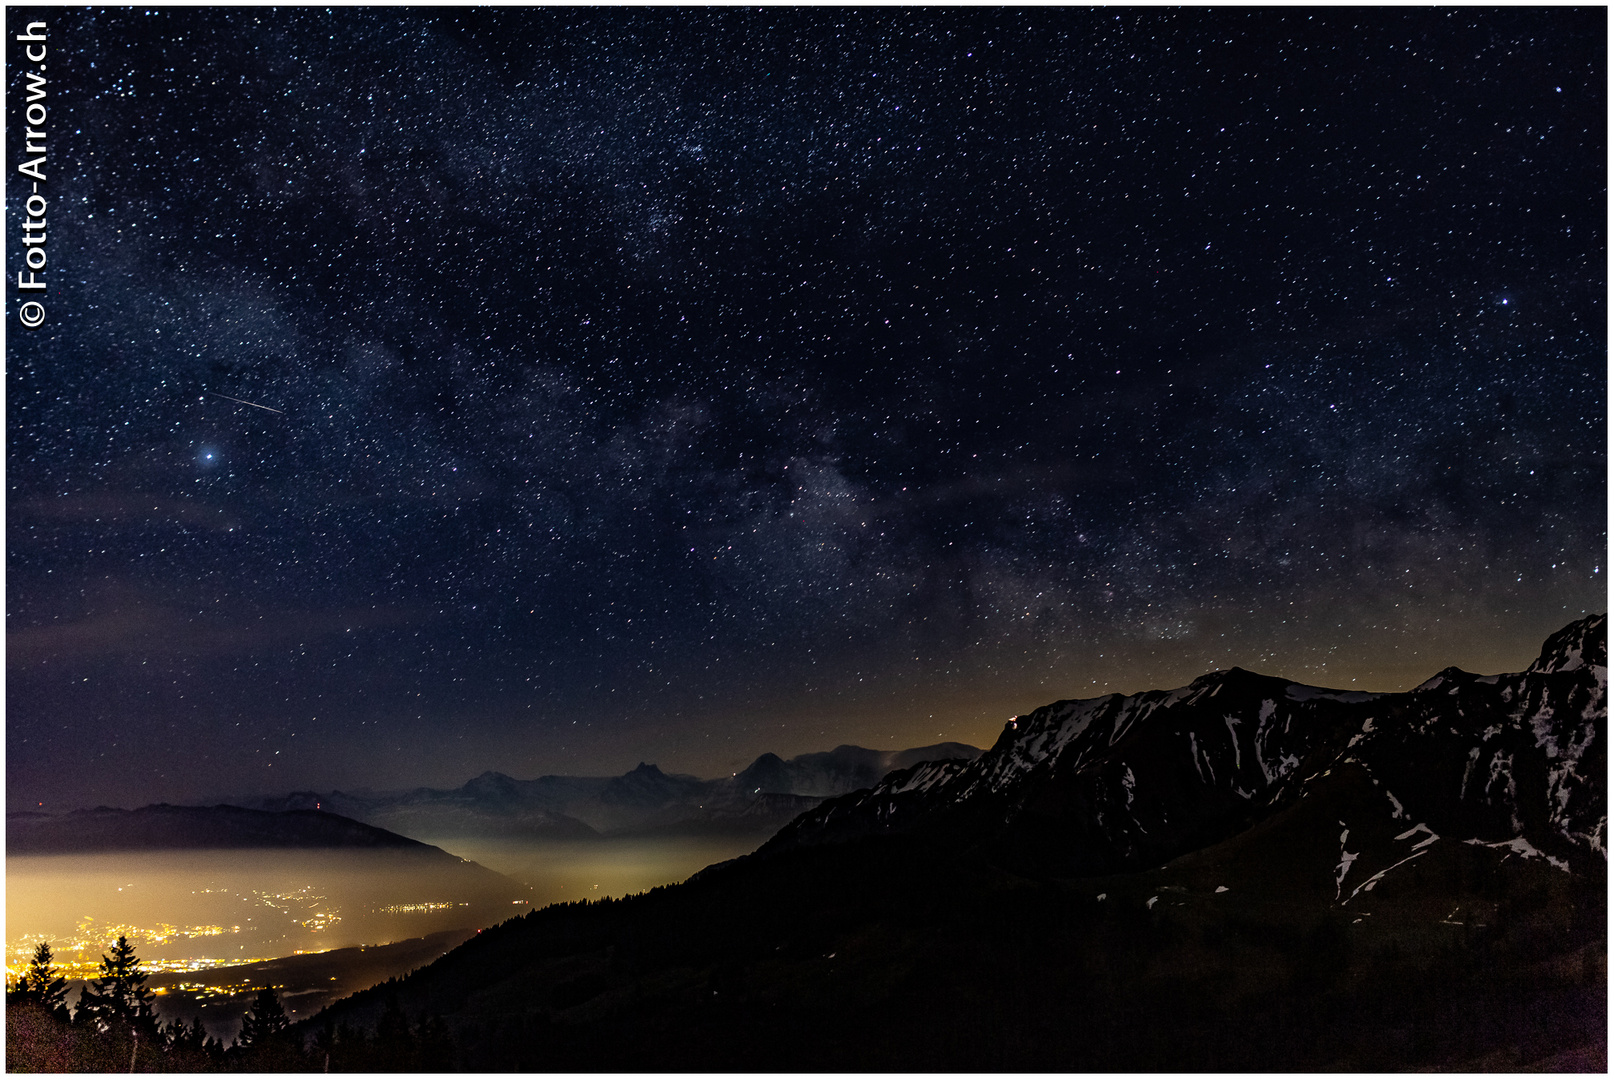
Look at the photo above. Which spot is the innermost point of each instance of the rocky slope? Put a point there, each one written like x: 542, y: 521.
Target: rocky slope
x: 1124, y: 783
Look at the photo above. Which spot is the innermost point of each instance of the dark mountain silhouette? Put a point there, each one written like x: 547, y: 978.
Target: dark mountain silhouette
x: 162, y: 827
x: 1242, y: 874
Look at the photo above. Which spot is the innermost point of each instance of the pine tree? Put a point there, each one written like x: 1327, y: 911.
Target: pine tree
x: 265, y: 1019
x: 186, y: 1038
x: 118, y: 998
x: 211, y: 1047
x: 265, y: 1043
x: 46, y: 982
x: 40, y: 983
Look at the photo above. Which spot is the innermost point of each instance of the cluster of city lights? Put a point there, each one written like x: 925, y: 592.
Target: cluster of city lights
x: 414, y: 909
x: 217, y: 990
x: 77, y: 956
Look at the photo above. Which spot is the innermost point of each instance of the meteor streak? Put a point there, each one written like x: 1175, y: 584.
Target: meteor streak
x: 254, y: 404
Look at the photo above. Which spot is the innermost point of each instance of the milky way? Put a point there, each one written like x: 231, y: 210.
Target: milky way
x: 428, y: 391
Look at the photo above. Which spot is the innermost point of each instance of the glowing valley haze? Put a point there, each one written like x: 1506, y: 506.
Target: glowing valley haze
x: 438, y: 390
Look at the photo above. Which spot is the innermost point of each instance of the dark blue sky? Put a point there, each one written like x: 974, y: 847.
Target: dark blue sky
x: 682, y: 385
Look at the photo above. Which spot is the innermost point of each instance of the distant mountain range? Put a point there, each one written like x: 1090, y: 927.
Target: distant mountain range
x: 1243, y: 874
x: 645, y: 801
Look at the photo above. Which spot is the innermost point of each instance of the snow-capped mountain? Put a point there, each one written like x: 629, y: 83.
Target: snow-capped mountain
x: 1121, y: 783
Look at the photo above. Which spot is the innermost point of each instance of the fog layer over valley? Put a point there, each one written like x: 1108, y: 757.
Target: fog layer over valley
x: 214, y: 926
x: 188, y: 907
x: 325, y: 894
x: 195, y: 914
x: 560, y: 870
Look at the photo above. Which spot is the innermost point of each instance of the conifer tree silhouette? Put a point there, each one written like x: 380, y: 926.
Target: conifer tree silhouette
x: 118, y: 999
x: 264, y: 1019
x: 40, y: 983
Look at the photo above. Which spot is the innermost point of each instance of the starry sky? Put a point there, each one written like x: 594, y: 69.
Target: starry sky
x: 434, y: 390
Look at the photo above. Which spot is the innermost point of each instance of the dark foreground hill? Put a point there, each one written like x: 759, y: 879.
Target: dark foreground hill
x: 1245, y: 874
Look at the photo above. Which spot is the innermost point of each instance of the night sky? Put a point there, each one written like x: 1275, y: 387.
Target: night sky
x: 675, y: 386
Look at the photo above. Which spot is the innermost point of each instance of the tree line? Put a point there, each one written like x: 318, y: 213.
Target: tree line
x: 115, y: 1028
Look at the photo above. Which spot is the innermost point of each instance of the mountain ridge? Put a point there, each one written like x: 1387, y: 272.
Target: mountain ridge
x: 1231, y: 746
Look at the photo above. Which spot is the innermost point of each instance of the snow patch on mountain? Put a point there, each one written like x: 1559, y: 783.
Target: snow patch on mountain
x: 1430, y: 838
x: 1232, y: 723
x: 1367, y: 886
x: 1522, y: 847
x: 1345, y: 860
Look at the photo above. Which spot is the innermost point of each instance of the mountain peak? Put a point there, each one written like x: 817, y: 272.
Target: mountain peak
x: 488, y: 784
x: 1445, y: 676
x: 1581, y: 643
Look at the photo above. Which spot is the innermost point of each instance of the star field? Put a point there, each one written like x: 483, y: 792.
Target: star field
x: 435, y: 390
